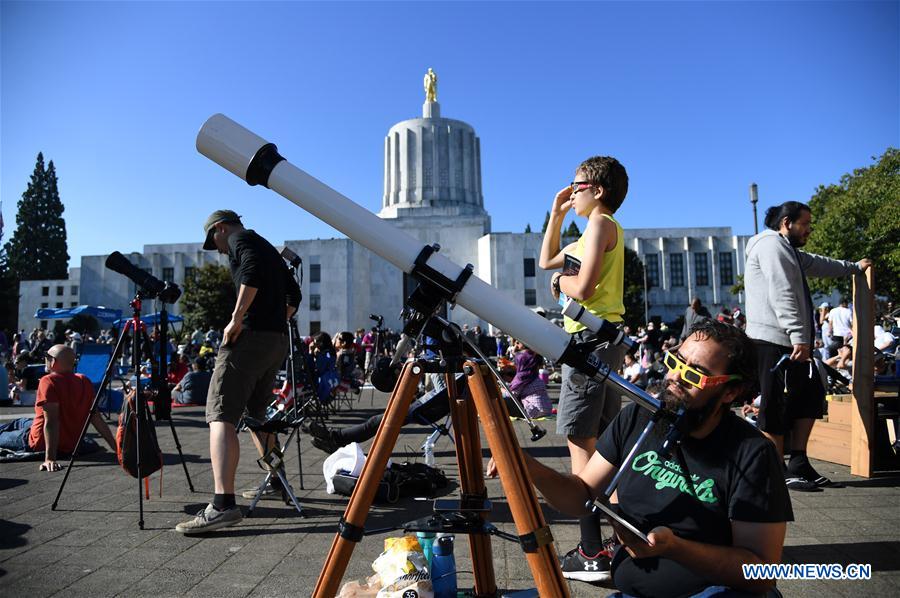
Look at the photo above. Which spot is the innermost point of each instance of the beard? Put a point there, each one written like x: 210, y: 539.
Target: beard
x: 694, y: 417
x: 795, y: 240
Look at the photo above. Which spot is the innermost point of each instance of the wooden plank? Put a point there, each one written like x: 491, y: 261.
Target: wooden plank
x: 840, y: 413
x: 830, y: 442
x: 825, y: 451
x: 862, y: 428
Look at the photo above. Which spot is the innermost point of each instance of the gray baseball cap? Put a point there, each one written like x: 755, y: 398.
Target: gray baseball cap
x: 215, y: 218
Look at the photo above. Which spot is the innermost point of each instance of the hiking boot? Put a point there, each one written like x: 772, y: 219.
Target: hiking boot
x: 269, y: 492
x: 581, y: 567
x: 210, y: 519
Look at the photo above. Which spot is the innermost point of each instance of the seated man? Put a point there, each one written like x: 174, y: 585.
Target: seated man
x: 733, y: 510
x: 63, y: 401
x: 193, y: 388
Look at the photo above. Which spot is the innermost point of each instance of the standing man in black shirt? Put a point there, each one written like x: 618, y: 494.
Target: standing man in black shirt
x: 728, y: 509
x: 254, y: 345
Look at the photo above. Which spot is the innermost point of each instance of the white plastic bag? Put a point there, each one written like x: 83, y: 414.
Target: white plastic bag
x: 349, y: 458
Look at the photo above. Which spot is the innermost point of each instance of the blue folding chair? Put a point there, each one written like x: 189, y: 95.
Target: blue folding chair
x: 93, y: 363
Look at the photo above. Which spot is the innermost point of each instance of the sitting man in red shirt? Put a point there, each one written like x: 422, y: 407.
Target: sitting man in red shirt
x: 63, y: 401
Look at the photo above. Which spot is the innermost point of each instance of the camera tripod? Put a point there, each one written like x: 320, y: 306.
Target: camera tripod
x: 533, y: 533
x: 163, y: 399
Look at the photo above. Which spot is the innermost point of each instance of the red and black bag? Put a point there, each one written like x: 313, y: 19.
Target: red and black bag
x: 127, y: 441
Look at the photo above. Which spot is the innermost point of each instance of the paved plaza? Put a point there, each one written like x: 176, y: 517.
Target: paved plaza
x: 91, y: 545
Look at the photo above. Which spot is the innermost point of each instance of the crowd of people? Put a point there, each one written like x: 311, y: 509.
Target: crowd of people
x: 715, y: 501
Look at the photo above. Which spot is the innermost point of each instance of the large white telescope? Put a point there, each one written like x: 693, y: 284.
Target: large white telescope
x: 258, y: 162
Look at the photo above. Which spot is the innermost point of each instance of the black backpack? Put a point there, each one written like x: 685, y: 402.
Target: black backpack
x: 400, y: 479
x: 127, y: 445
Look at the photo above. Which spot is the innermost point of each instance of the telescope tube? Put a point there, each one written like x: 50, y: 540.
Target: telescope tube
x: 257, y: 161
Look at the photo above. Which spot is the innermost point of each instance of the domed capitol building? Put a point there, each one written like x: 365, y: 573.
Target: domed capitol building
x: 432, y: 191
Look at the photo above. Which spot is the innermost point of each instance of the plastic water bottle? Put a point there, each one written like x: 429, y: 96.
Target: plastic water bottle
x: 429, y: 451
x: 426, y: 541
x: 443, y: 570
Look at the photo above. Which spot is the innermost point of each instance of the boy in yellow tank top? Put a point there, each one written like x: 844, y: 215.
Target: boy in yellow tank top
x: 586, y: 407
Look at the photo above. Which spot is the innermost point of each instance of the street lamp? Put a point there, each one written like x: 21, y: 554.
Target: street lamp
x: 754, y: 197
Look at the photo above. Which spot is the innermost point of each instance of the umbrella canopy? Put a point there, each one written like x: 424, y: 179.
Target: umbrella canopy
x: 104, y: 314
x: 150, y: 319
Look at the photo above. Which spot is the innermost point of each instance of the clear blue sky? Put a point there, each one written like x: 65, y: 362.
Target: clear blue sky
x: 697, y: 99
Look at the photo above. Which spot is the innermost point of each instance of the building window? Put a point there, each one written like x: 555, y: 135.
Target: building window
x: 168, y: 274
x: 45, y: 291
x: 315, y: 302
x: 73, y: 304
x: 726, y: 268
x: 651, y: 265
x: 189, y: 272
x: 701, y: 269
x: 44, y: 305
x: 74, y: 289
x: 315, y: 327
x: 315, y: 273
x: 59, y: 305
x: 59, y: 291
x: 529, y: 267
x: 676, y: 266
x: 530, y: 297
x: 44, y: 324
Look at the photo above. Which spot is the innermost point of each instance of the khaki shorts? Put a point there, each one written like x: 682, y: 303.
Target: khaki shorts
x: 586, y: 406
x: 244, y: 376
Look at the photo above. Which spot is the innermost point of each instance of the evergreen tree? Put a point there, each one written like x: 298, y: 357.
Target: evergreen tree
x: 572, y: 231
x: 528, y: 228
x: 633, y: 289
x: 546, y: 222
x: 37, y: 249
x: 208, y: 298
x: 9, y: 290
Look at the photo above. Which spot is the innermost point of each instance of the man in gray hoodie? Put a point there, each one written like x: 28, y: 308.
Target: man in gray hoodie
x: 780, y: 320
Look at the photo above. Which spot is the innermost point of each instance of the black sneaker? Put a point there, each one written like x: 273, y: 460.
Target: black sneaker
x: 800, y: 484
x: 581, y: 567
x: 808, y: 473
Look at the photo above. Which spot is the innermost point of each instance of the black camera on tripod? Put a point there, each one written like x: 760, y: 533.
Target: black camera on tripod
x: 150, y: 286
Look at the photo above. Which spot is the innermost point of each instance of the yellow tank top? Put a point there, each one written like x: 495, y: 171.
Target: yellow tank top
x: 607, y: 300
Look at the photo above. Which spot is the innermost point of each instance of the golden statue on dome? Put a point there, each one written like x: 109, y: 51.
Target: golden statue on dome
x: 431, y: 86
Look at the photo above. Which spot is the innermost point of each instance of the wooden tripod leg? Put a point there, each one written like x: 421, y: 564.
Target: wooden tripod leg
x: 471, y: 483
x: 357, y: 510
x: 514, y: 476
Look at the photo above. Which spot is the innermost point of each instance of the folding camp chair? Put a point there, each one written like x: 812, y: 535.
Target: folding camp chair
x: 92, y: 363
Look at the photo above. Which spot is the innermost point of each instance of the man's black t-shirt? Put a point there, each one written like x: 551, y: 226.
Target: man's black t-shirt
x: 255, y: 263
x: 735, y: 476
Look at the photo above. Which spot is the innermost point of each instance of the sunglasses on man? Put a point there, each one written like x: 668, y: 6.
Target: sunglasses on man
x: 693, y: 376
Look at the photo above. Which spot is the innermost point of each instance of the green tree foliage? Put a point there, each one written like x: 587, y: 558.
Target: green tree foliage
x: 572, y: 231
x: 546, y: 222
x: 208, y: 298
x: 634, y: 289
x: 528, y: 228
x: 9, y: 290
x: 860, y: 217
x: 85, y: 324
x: 37, y: 249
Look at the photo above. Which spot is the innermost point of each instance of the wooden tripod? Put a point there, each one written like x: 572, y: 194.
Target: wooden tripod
x: 534, y: 535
